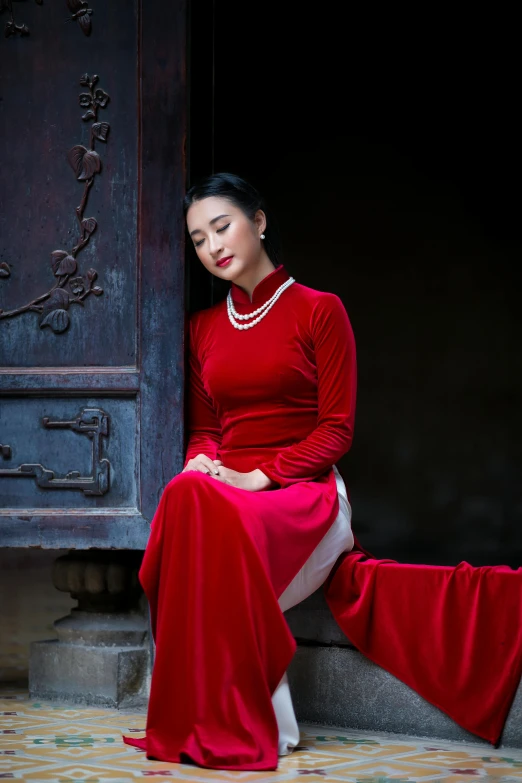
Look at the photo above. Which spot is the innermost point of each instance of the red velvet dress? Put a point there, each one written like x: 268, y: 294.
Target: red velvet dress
x: 281, y: 397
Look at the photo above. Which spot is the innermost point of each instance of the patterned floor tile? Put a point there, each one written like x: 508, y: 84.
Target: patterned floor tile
x: 313, y: 760
x: 133, y: 723
x: 388, y: 768
x: 354, y: 748
x: 59, y: 711
x: 77, y: 753
x: 18, y: 767
x: 45, y: 742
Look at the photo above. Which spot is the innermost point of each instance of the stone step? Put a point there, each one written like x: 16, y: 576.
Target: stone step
x: 333, y: 684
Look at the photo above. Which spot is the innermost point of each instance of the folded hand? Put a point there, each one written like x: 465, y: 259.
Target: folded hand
x: 254, y: 481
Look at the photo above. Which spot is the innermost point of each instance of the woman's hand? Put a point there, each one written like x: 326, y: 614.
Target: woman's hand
x: 204, y: 464
x: 255, y: 481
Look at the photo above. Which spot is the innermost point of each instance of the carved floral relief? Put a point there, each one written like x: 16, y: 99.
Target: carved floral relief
x: 12, y: 27
x: 79, y: 12
x: 72, y: 287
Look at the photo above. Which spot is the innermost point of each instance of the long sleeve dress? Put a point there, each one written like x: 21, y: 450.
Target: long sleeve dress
x: 279, y: 397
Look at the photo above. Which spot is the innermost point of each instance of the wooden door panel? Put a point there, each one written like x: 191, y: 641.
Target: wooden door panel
x: 84, y: 448
x: 44, y: 99
x: 92, y: 287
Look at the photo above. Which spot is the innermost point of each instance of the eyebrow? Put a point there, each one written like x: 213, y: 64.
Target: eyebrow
x: 211, y: 222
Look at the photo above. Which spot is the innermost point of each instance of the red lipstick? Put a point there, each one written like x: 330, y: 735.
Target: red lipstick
x: 224, y: 261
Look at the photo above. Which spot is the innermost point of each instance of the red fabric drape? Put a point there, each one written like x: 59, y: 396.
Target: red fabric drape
x: 453, y: 634
x: 222, y: 644
x: 281, y: 398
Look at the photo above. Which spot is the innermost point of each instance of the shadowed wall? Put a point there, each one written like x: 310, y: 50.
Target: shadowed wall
x: 386, y: 147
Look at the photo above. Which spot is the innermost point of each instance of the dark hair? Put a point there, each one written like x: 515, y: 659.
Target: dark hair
x: 244, y: 196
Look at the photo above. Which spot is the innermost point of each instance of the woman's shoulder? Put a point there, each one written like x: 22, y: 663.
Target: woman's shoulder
x: 317, y: 299
x: 322, y: 311
x: 200, y: 322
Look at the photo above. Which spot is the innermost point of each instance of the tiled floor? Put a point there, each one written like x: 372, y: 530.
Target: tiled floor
x: 63, y: 744
x: 51, y: 742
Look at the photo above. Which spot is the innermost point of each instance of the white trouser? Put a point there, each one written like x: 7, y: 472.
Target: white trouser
x: 312, y: 575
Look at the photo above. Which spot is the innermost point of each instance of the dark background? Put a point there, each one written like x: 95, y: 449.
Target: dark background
x: 387, y: 146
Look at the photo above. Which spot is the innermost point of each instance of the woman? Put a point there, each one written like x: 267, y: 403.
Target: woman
x: 259, y: 514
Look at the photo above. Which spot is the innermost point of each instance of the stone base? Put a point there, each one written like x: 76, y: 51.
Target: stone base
x: 77, y: 674
x: 312, y: 621
x: 337, y: 686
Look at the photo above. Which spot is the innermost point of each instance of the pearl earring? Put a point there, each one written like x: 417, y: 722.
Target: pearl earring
x: 262, y: 236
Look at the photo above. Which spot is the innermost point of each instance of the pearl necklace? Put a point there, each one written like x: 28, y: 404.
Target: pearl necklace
x: 234, y: 316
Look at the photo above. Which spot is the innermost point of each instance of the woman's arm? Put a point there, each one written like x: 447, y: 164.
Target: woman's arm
x: 334, y: 346
x: 204, y: 431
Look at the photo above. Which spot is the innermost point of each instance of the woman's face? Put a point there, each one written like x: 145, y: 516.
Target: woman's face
x: 227, y: 242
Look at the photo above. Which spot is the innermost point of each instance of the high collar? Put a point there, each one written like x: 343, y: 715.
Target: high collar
x: 263, y: 290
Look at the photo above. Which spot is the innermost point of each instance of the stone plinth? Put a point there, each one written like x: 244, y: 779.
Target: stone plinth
x: 101, y: 656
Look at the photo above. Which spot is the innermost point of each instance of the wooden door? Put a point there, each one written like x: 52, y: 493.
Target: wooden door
x: 92, y: 131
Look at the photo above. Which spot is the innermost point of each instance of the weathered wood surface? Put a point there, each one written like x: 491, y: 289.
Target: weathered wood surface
x: 122, y: 351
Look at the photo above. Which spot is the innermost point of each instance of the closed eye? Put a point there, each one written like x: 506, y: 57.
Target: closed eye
x: 218, y: 230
